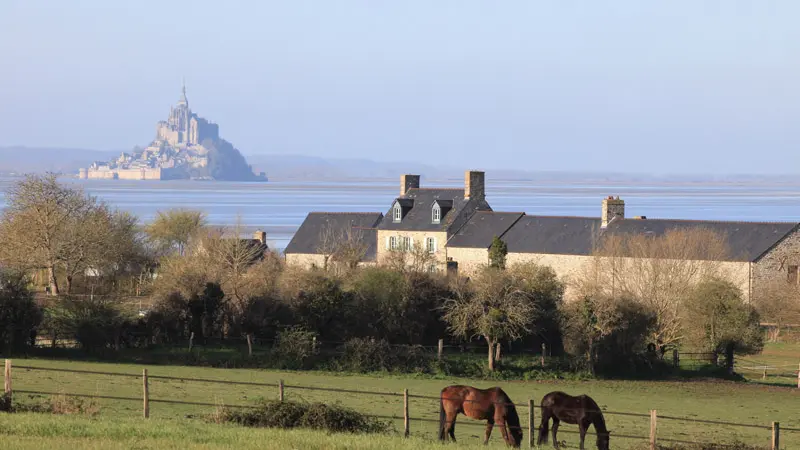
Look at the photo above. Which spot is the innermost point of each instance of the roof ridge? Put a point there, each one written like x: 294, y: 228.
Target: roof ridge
x: 343, y: 212
x: 567, y: 217
x: 436, y: 189
x: 714, y: 221
x: 500, y: 212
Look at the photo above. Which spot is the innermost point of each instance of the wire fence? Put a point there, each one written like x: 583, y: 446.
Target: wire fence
x: 404, y: 413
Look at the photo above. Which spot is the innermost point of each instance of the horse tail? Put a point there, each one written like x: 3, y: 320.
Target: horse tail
x: 442, y: 420
x: 544, y: 428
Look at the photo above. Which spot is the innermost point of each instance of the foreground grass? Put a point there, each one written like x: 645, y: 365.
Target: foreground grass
x: 37, y: 431
x: 711, y: 400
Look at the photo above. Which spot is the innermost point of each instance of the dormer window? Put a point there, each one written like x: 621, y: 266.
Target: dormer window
x: 436, y: 214
x: 397, y: 213
x: 440, y: 209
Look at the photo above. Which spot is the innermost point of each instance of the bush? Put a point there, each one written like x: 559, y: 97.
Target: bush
x: 277, y: 414
x: 294, y: 349
x: 370, y: 355
x: 19, y: 314
x: 95, y: 324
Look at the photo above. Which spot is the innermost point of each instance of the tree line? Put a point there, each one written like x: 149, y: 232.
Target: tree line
x: 213, y: 284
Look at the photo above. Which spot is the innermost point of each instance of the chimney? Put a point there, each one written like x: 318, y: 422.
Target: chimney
x: 474, y: 185
x: 408, y: 182
x: 260, y: 236
x: 612, y: 208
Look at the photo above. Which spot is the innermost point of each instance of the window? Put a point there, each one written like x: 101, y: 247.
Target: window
x: 792, y: 276
x: 436, y: 215
x: 430, y: 244
x: 432, y: 268
x: 397, y: 213
x: 405, y: 243
x: 393, y: 242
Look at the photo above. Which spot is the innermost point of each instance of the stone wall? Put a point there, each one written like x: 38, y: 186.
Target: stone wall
x: 775, y: 265
x: 306, y: 260
x: 469, y: 260
x: 567, y: 267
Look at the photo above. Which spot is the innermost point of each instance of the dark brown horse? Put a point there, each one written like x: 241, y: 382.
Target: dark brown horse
x: 491, y: 405
x: 580, y: 410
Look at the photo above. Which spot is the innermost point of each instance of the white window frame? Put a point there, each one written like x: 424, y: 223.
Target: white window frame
x: 432, y: 268
x: 430, y: 244
x: 436, y: 214
x: 391, y: 243
x: 405, y: 243
x: 397, y: 213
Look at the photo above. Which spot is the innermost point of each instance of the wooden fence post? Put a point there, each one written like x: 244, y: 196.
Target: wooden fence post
x: 798, y: 378
x: 441, y: 349
x: 145, y: 395
x: 544, y: 349
x: 764, y: 376
x: 6, y: 400
x: 653, y: 419
x: 406, y: 418
x: 776, y: 436
x: 191, y: 340
x: 530, y: 424
x: 280, y: 390
x: 249, y: 345
x: 675, y: 360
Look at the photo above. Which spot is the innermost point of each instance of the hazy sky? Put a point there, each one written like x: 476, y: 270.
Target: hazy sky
x: 630, y: 85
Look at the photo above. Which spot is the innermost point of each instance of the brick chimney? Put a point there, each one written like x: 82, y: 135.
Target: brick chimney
x: 408, y: 182
x: 474, y: 185
x: 612, y: 208
x: 260, y: 236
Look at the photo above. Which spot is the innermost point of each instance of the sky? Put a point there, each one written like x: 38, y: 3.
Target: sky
x: 683, y: 86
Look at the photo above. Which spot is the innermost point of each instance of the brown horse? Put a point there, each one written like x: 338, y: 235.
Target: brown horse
x: 491, y: 405
x: 581, y: 410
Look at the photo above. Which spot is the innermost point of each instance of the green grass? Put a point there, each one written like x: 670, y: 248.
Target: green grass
x: 711, y: 400
x: 782, y: 361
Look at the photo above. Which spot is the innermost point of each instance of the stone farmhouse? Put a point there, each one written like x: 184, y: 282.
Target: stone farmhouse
x: 456, y: 227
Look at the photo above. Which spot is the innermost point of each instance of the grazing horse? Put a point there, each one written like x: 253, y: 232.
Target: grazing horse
x: 581, y: 410
x: 491, y: 405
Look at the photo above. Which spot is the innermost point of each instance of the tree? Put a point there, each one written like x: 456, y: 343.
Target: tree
x: 46, y: 224
x: 344, y: 246
x: 493, y: 306
x: 656, y: 271
x: 717, y: 319
x: 173, y: 229
x: 608, y: 331
x: 497, y: 253
x: 779, y: 303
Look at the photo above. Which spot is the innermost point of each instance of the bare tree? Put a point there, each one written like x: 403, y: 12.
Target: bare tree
x: 778, y: 303
x: 491, y: 306
x: 414, y: 257
x: 37, y: 226
x: 173, y: 229
x: 351, y: 249
x: 657, y: 271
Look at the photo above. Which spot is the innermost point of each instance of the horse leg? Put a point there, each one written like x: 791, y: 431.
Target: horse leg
x: 555, y: 430
x: 543, y: 427
x: 582, y: 426
x: 489, y: 425
x: 451, y: 424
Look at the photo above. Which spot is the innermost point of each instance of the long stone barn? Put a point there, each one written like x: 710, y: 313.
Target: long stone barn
x: 455, y: 227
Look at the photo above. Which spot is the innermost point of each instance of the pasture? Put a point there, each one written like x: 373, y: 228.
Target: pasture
x: 747, y: 403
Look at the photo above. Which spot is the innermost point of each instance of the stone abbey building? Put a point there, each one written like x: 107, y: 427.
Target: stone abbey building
x: 457, y: 226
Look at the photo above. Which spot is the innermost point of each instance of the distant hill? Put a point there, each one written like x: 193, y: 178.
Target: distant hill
x: 23, y: 159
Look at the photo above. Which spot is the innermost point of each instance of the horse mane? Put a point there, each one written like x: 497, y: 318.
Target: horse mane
x: 599, y: 421
x: 512, y: 417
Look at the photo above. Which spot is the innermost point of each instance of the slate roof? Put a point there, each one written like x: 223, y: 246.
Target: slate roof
x: 370, y: 235
x: 482, y: 227
x: 306, y: 239
x: 418, y: 217
x: 552, y: 235
x: 747, y: 241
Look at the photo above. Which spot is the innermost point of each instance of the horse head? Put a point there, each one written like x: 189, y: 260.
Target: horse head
x: 515, y: 433
x: 602, y: 440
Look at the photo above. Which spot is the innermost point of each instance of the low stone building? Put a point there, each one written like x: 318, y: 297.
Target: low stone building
x: 456, y: 228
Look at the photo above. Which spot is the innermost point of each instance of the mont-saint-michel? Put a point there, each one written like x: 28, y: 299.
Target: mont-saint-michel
x: 186, y: 146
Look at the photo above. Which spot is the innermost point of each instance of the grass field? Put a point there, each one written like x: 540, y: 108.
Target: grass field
x: 711, y: 400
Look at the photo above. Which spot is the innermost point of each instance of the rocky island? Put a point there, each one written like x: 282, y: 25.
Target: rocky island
x: 186, y: 146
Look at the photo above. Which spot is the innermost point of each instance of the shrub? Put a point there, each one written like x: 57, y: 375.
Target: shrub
x: 294, y: 349
x: 19, y: 314
x: 370, y: 355
x: 60, y: 404
x: 277, y: 414
x: 95, y: 324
